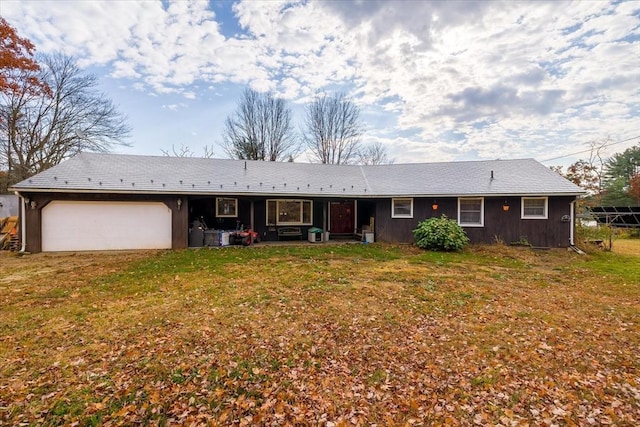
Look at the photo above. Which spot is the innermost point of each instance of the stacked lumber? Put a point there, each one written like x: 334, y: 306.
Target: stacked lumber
x: 9, y: 238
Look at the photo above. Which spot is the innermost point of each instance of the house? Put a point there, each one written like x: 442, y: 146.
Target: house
x: 110, y: 201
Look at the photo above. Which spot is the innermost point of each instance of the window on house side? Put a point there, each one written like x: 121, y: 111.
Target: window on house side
x: 272, y: 212
x: 471, y: 212
x: 306, y: 212
x: 535, y: 208
x: 402, y: 208
x: 226, y: 208
x: 289, y: 212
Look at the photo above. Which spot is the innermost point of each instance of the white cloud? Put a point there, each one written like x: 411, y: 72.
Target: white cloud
x: 174, y: 107
x: 465, y: 79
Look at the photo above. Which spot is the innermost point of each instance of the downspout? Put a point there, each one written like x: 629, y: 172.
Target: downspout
x: 573, y: 223
x: 23, y: 224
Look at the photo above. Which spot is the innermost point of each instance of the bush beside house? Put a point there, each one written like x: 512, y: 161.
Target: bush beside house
x: 440, y: 234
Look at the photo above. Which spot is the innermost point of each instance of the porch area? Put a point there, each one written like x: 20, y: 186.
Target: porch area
x: 222, y: 221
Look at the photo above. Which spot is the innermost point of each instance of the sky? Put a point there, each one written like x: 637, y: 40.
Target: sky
x: 435, y: 81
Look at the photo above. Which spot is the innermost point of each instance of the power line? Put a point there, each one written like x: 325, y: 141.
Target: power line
x: 588, y: 150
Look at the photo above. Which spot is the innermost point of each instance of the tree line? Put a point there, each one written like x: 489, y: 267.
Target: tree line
x: 609, y: 181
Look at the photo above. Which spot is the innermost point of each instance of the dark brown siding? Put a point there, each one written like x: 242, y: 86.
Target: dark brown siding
x: 260, y: 218
x: 400, y: 230
x: 498, y: 224
x: 179, y: 225
x: 179, y: 221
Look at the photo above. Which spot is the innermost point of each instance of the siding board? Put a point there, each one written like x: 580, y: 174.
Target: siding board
x: 498, y: 224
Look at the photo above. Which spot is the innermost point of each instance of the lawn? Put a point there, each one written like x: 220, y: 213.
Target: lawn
x: 321, y: 335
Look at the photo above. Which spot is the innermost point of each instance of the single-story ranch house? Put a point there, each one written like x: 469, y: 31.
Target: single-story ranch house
x: 109, y: 201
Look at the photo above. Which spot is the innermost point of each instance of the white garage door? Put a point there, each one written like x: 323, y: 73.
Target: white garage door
x: 82, y: 226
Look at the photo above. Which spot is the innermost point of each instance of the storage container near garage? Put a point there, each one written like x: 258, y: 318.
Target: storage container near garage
x: 216, y: 238
x: 196, y: 235
x: 211, y: 238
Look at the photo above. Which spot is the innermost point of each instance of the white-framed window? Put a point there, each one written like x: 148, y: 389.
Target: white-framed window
x: 226, y: 207
x: 402, y: 208
x: 471, y: 211
x: 289, y: 212
x: 535, y: 208
x: 272, y: 212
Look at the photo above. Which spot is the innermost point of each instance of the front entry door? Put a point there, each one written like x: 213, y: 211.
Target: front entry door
x: 342, y: 216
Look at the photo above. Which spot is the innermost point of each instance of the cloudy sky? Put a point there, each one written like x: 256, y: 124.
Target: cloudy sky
x: 436, y: 81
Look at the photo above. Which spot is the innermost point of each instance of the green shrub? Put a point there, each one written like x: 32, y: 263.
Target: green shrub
x: 440, y: 234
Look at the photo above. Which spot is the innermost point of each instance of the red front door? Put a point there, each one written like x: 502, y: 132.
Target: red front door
x: 342, y: 216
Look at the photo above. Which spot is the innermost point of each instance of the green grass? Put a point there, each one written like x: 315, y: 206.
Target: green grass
x: 303, y: 335
x: 617, y: 268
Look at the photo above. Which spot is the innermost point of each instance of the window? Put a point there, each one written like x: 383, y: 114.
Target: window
x: 534, y: 208
x: 226, y: 207
x: 272, y: 212
x: 289, y: 212
x: 401, y: 208
x: 471, y: 212
x: 306, y: 212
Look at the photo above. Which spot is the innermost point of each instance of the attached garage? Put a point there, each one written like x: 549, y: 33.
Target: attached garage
x: 104, y: 225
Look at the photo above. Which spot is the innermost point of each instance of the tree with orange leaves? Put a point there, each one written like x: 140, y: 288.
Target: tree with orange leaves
x: 634, y: 189
x: 17, y: 65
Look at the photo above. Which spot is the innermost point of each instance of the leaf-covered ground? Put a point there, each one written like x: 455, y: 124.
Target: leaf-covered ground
x: 321, y: 335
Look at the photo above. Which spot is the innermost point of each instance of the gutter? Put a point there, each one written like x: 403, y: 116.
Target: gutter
x: 367, y: 194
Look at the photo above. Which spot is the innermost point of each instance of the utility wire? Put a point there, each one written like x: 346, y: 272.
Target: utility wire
x: 588, y: 150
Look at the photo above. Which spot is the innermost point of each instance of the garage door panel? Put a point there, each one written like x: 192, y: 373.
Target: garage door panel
x: 77, y: 226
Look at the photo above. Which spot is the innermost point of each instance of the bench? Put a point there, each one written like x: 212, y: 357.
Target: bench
x: 289, y: 232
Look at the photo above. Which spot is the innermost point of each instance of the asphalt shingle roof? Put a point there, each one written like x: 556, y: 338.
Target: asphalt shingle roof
x: 91, y: 172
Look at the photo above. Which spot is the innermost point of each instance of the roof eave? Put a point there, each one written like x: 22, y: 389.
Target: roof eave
x: 288, y: 194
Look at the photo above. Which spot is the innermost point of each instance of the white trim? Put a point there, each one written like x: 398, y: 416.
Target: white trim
x: 278, y: 222
x: 573, y: 224
x: 235, y: 203
x: 546, y: 208
x: 266, y: 212
x: 393, y: 202
x: 472, y: 224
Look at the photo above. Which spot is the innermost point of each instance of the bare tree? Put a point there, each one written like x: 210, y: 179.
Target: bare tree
x: 374, y: 154
x: 185, y: 151
x: 39, y: 131
x: 590, y: 173
x: 596, y: 161
x: 260, y: 129
x: 333, y: 129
